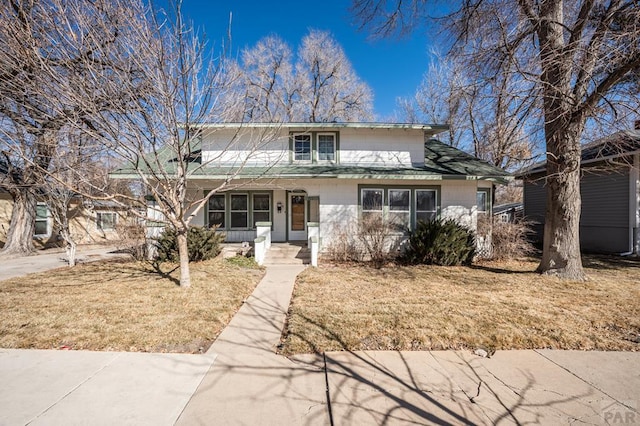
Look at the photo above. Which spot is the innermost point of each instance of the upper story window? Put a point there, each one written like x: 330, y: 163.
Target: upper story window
x: 315, y: 147
x: 302, y: 148
x: 327, y: 147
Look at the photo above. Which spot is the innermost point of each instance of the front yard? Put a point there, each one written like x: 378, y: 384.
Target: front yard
x: 125, y: 306
x: 493, y: 305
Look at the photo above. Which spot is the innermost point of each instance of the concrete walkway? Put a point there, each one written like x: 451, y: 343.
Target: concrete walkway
x: 249, y: 384
x: 44, y: 260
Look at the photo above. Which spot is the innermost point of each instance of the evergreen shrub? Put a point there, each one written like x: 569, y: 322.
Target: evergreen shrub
x: 439, y: 242
x: 202, y: 243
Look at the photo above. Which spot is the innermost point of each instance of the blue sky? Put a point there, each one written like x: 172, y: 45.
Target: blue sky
x: 391, y: 67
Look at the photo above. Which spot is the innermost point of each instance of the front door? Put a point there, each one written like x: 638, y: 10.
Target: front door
x: 297, y: 217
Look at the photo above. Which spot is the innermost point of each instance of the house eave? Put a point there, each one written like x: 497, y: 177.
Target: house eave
x: 433, y: 128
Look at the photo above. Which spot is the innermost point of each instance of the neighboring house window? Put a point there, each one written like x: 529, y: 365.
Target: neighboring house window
x: 483, y: 201
x: 326, y: 147
x: 106, y: 221
x: 42, y: 220
x: 261, y: 208
x: 302, y: 147
x: 239, y: 211
x: 400, y: 208
x: 372, y: 203
x: 217, y: 208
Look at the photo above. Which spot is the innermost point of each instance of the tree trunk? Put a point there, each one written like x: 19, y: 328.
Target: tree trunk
x: 22, y: 225
x: 183, y: 251
x: 69, y: 247
x: 562, y: 130
x: 561, y: 243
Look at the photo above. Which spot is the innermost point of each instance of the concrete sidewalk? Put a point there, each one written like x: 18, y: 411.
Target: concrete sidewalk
x: 41, y: 387
x: 44, y: 260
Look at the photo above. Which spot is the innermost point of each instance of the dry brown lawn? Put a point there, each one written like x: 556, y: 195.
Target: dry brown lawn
x: 123, y: 305
x: 492, y: 305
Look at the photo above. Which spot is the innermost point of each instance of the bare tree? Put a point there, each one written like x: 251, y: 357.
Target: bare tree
x: 317, y: 85
x: 579, y: 56
x: 329, y: 88
x: 170, y: 84
x: 46, y: 47
x: 269, y: 80
x: 490, y: 120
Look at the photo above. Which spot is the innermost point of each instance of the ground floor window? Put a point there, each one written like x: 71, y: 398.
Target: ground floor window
x: 402, y: 207
x: 217, y: 209
x: 42, y: 220
x: 371, y: 202
x: 239, y: 210
x: 483, y: 197
x: 106, y: 221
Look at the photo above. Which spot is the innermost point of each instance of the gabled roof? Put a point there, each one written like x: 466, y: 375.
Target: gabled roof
x: 617, y: 145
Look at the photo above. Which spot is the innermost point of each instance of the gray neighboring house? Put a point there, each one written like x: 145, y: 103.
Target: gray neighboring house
x: 610, y: 190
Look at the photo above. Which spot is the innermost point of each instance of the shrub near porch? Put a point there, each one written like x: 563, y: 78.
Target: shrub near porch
x: 502, y: 305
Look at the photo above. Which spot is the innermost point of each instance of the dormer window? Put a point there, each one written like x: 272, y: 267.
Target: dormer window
x: 302, y: 148
x: 314, y: 148
x: 327, y: 147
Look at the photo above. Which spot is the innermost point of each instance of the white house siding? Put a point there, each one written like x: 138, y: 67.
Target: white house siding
x: 364, y: 147
x: 359, y: 147
x: 233, y: 147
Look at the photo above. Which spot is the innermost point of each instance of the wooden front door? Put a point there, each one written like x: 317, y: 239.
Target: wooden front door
x: 297, y: 217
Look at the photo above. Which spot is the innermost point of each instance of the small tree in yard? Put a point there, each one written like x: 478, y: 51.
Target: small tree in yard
x: 171, y: 85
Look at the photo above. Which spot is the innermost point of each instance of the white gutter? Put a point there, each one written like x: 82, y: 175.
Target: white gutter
x: 388, y: 126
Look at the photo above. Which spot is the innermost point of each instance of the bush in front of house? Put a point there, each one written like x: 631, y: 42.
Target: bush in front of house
x: 203, y: 244
x: 510, y: 240
x: 440, y: 242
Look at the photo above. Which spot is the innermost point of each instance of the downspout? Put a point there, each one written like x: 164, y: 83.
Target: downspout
x: 635, y: 204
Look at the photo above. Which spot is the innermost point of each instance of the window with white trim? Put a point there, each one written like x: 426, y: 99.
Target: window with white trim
x: 239, y: 211
x: 302, y: 147
x: 42, y: 228
x: 426, y: 205
x: 261, y: 208
x: 327, y: 147
x: 217, y: 208
x: 400, y: 208
x: 372, y: 202
x: 106, y: 221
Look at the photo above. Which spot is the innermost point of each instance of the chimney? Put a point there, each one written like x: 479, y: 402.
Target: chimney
x: 636, y: 124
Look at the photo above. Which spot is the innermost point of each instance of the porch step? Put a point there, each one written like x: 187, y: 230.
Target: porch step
x: 288, y: 254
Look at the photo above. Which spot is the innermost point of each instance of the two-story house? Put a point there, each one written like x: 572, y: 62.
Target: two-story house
x: 327, y: 175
